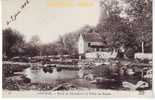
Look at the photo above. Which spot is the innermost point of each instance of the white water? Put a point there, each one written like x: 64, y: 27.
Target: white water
x: 39, y: 76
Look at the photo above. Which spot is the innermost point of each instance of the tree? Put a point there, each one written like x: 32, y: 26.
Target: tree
x: 141, y: 12
x: 49, y: 49
x: 33, y: 46
x: 30, y: 50
x: 70, y: 42
x: 116, y: 29
x: 60, y: 46
x: 35, y: 40
x: 112, y: 27
x: 130, y: 31
x: 12, y: 42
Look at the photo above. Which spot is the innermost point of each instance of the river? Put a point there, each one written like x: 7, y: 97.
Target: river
x: 39, y: 76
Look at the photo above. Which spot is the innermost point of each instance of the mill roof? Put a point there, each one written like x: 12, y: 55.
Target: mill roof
x: 92, y: 37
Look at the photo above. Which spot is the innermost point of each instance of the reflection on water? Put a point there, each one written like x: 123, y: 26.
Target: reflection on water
x: 39, y: 76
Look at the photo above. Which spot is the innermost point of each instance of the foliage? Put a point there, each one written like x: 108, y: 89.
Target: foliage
x: 128, y: 31
x: 15, y: 45
x: 141, y: 13
x: 102, y: 71
x: 12, y: 42
x: 115, y: 29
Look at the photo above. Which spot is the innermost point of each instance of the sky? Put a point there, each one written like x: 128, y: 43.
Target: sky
x: 49, y: 18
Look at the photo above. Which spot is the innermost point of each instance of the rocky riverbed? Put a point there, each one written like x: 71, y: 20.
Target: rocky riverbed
x: 113, y: 76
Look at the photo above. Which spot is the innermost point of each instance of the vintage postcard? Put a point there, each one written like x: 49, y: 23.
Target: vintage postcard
x: 77, y: 48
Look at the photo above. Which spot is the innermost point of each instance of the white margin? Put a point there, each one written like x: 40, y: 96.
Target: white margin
x: 130, y: 98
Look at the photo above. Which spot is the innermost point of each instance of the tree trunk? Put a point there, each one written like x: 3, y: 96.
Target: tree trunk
x: 142, y: 47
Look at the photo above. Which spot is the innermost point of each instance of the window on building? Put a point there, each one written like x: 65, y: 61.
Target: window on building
x: 89, y: 44
x: 97, y: 49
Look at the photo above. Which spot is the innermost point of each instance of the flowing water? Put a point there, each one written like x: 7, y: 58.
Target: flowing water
x: 39, y: 76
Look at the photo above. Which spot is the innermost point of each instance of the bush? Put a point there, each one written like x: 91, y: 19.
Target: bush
x: 130, y: 53
x: 102, y: 71
x: 10, y: 84
x: 9, y: 69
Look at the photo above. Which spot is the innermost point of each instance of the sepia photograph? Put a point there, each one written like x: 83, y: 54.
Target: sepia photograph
x: 73, y: 48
